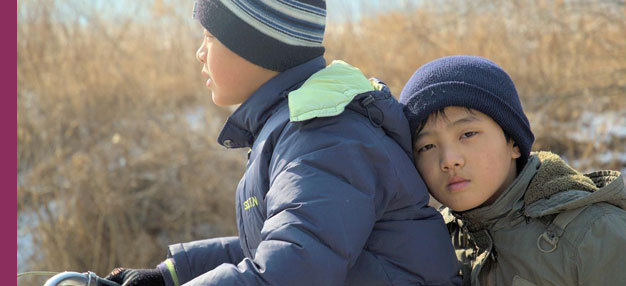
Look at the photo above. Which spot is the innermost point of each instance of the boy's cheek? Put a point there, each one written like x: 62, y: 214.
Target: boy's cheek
x: 420, y: 165
x: 428, y: 176
x: 425, y: 163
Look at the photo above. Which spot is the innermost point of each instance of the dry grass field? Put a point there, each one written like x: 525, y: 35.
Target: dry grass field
x: 116, y: 131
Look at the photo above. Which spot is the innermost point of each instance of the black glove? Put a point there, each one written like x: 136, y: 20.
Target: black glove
x: 136, y: 277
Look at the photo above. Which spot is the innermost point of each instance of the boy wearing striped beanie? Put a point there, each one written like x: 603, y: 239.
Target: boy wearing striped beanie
x: 330, y: 195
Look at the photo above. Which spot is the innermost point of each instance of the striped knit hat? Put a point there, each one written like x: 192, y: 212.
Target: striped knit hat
x: 274, y: 34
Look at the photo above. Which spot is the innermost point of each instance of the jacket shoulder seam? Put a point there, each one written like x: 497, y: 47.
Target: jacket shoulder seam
x: 589, y: 217
x: 587, y: 229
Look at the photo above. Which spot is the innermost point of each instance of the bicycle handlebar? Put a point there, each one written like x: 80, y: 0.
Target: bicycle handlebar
x: 69, y: 278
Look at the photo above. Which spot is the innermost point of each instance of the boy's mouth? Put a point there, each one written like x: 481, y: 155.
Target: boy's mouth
x: 457, y: 183
x: 205, y: 71
x: 206, y: 74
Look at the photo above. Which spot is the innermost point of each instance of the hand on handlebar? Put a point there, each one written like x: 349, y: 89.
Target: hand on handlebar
x: 136, y: 277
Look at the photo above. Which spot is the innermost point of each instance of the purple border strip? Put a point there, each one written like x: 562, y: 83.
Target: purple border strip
x: 9, y: 126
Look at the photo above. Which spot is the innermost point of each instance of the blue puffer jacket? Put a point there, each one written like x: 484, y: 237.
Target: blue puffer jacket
x: 330, y: 195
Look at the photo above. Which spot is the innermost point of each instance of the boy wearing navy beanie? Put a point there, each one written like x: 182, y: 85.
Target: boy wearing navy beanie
x: 330, y: 195
x: 515, y: 217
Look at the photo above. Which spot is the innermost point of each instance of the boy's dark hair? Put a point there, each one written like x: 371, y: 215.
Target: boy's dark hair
x: 276, y: 35
x: 442, y: 113
x: 471, y: 82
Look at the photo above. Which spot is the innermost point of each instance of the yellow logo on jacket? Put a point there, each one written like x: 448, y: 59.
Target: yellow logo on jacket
x: 250, y: 202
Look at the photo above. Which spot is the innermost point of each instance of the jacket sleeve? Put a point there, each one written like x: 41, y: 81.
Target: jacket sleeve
x: 602, y: 250
x: 320, y: 212
x: 194, y: 258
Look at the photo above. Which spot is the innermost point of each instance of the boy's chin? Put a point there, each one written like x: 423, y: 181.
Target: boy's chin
x: 463, y: 207
x: 225, y: 100
x: 221, y: 101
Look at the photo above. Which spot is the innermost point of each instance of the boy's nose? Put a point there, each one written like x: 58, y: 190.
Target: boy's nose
x: 201, y: 53
x: 451, y: 160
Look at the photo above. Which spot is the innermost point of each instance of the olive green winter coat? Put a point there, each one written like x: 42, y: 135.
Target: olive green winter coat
x: 552, y: 226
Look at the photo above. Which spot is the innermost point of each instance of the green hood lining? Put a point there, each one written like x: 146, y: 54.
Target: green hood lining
x: 327, y: 92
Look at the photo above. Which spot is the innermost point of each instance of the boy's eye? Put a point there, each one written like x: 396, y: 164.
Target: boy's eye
x: 207, y: 35
x: 469, y: 134
x: 425, y: 148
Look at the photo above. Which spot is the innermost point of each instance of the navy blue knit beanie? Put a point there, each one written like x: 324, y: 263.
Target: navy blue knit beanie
x: 274, y: 34
x: 472, y: 82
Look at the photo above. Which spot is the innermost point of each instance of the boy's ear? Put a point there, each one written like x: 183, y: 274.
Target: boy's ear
x: 516, y: 153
